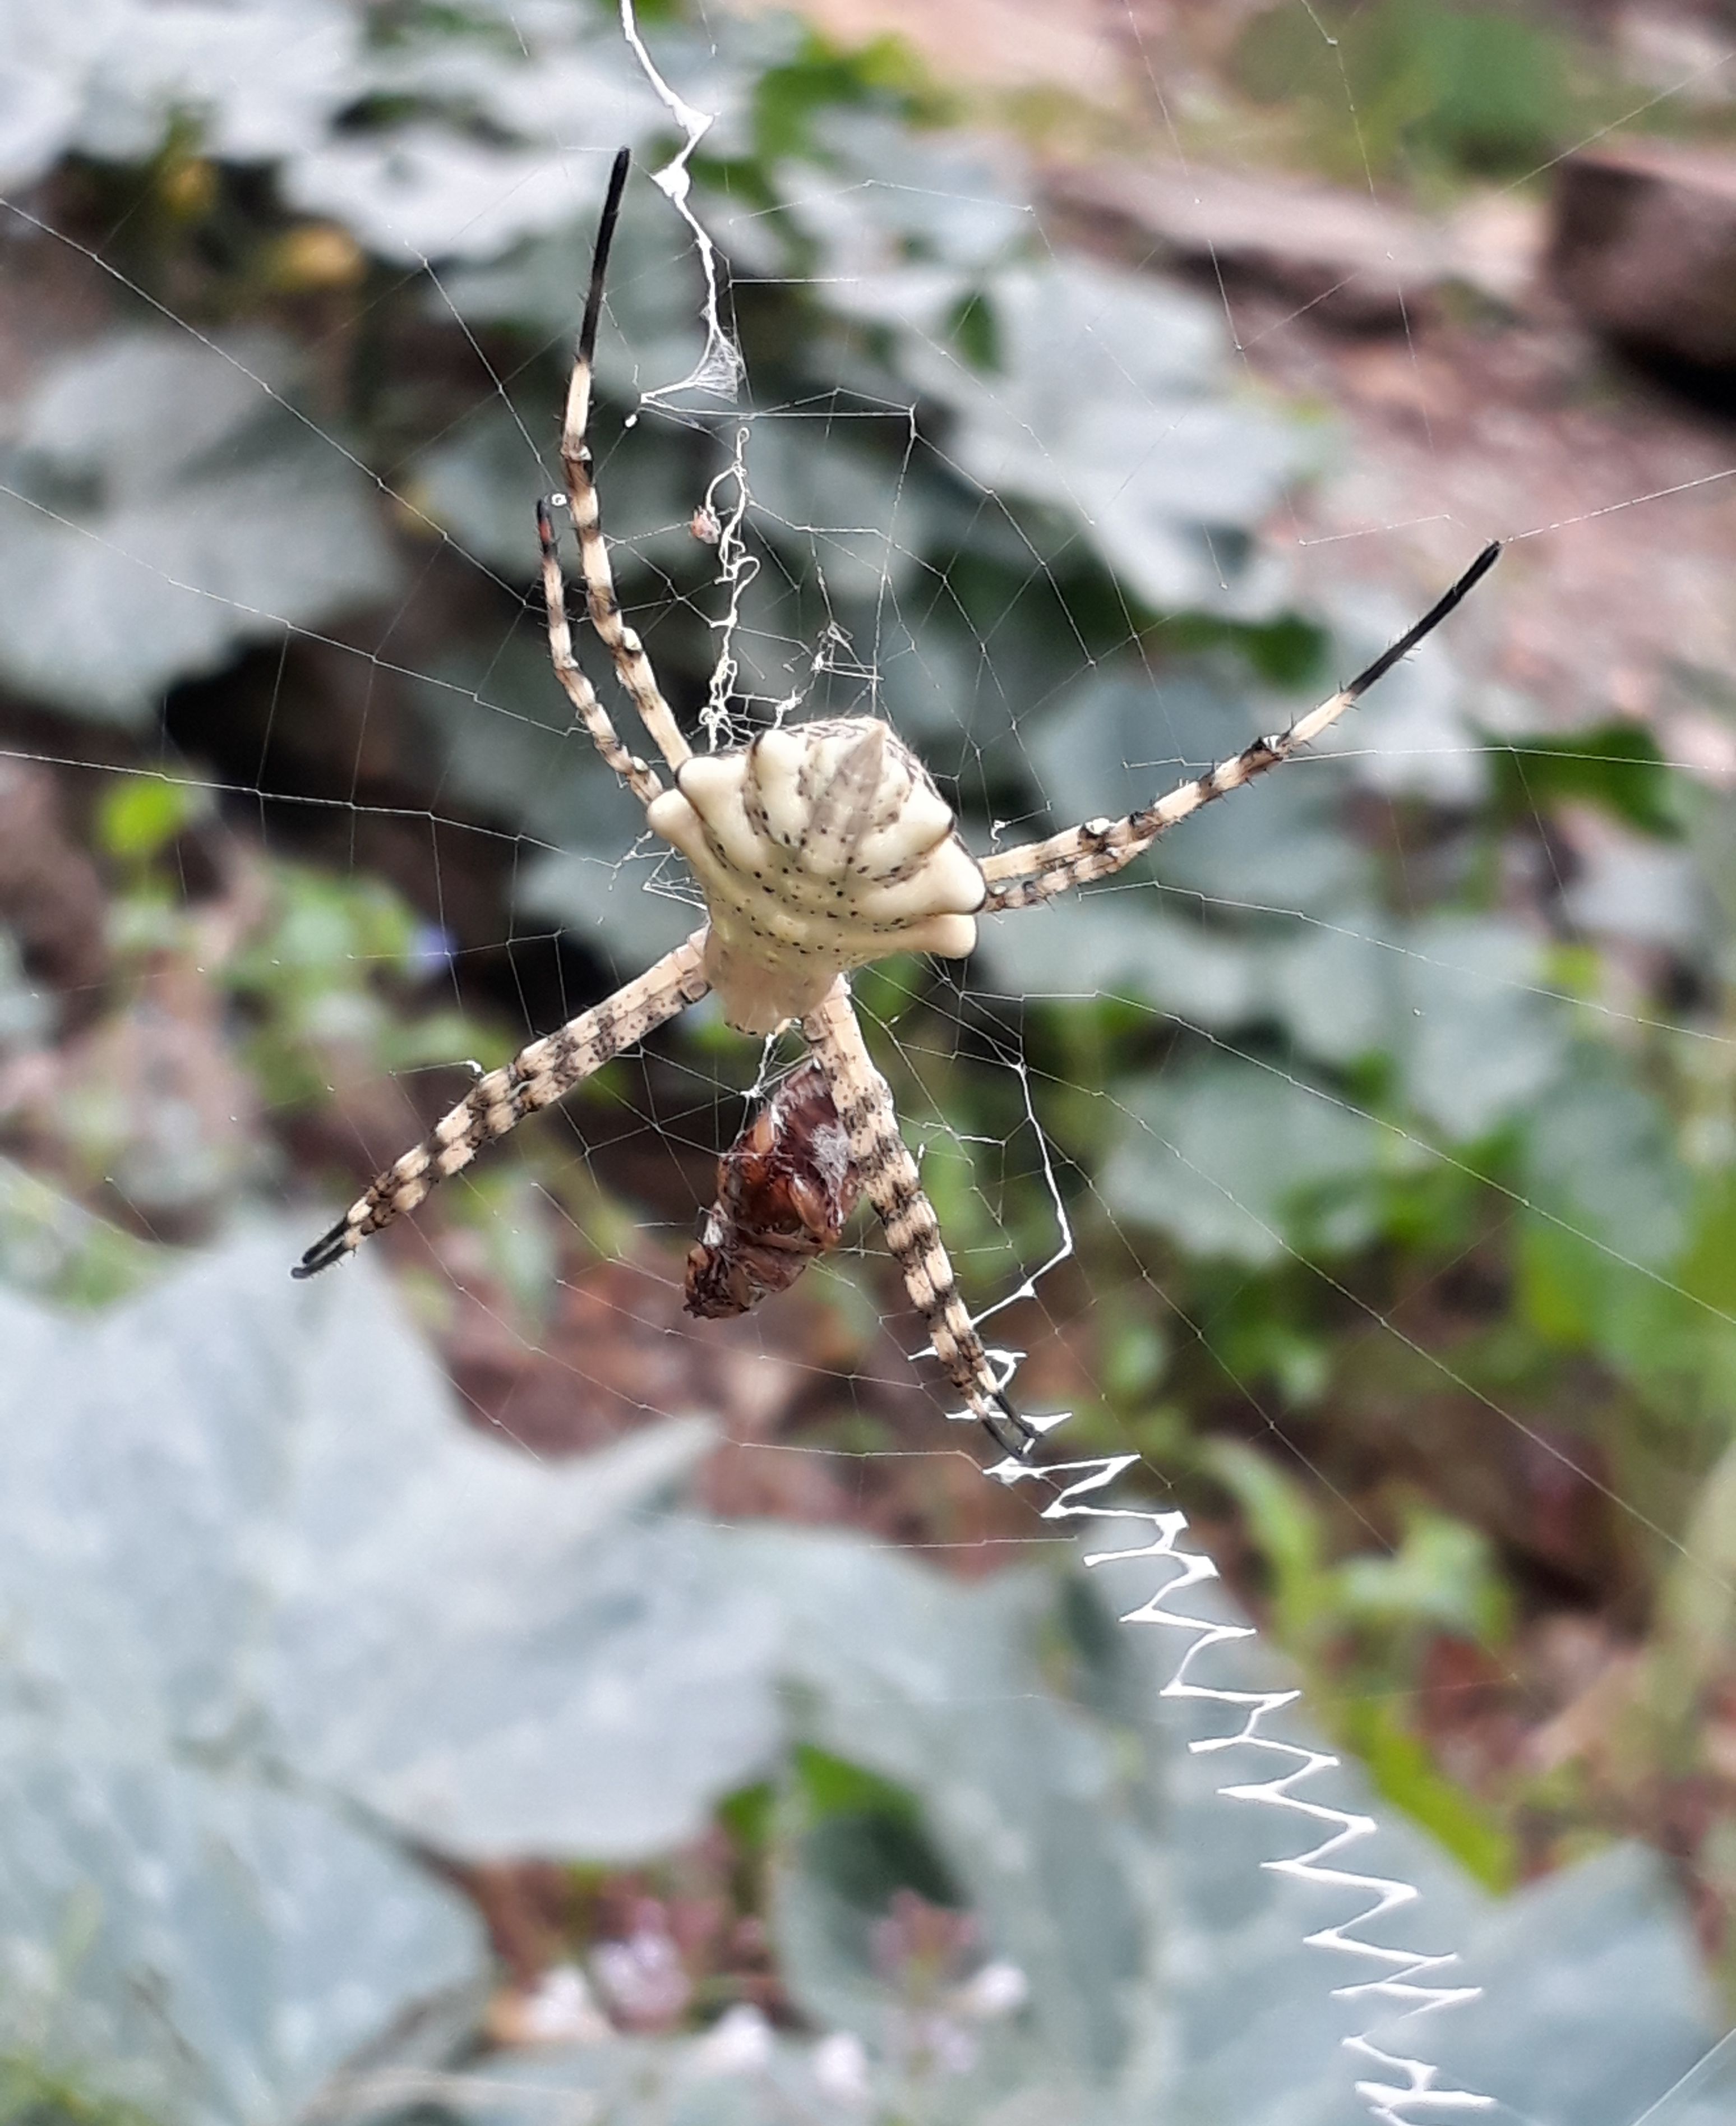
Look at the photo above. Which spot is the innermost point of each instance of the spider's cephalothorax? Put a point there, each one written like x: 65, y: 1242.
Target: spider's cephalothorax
x: 818, y: 849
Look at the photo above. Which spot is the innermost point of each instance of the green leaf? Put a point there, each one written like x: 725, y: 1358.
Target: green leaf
x: 738, y: 2073
x: 138, y: 815
x: 504, y: 736
x: 255, y: 83
x: 1288, y: 1530
x: 1480, y: 1037
x: 1443, y: 1577
x: 1434, y: 85
x: 859, y: 527
x: 822, y: 80
x: 492, y: 139
x: 1627, y: 888
x: 1704, y: 2096
x: 1122, y: 944
x: 1338, y: 987
x: 1021, y: 1802
x: 1617, y: 767
x: 418, y: 193
x: 161, y: 507
x: 651, y: 332
x: 1114, y: 405
x: 894, y: 213
x: 1599, y: 1155
x: 1233, y: 1161
x: 289, y: 1540
x: 202, y: 1947
x: 1608, y: 1934
x: 1405, y: 1774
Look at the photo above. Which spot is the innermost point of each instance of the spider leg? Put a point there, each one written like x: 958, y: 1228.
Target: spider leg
x: 536, y: 1077
x: 1036, y: 871
x: 889, y: 1180
x: 639, y: 779
x: 626, y: 652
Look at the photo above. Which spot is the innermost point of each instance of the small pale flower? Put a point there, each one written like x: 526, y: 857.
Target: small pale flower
x: 739, y: 2041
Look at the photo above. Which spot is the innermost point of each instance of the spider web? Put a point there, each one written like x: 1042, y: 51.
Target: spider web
x: 1171, y: 1128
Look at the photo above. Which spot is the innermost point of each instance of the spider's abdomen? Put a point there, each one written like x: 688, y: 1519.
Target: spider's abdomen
x: 817, y: 849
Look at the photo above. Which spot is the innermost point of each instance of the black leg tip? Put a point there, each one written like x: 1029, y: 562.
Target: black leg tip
x: 327, y: 1248
x: 600, y: 256
x: 1011, y: 1433
x: 1429, y: 622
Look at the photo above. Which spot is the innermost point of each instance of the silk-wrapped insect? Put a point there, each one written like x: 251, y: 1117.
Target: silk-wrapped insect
x: 785, y: 1189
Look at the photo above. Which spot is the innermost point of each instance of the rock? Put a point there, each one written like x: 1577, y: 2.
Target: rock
x: 1643, y: 249
x: 1352, y: 260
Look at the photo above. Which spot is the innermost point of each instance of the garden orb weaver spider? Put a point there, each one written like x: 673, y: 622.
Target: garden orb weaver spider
x: 819, y: 848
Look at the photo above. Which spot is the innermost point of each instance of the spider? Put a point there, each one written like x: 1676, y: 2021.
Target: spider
x: 819, y: 848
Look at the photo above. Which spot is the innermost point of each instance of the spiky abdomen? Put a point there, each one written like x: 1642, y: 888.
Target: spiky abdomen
x: 817, y: 849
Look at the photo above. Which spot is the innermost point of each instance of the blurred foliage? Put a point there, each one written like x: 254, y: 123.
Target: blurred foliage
x: 316, y: 981
x: 1618, y: 768
x: 312, y: 1627
x: 1438, y: 91
x: 1387, y: 1103
x: 1358, y: 1622
x: 1438, y: 97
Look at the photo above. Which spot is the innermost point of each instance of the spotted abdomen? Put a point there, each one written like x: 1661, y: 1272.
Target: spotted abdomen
x: 818, y: 849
